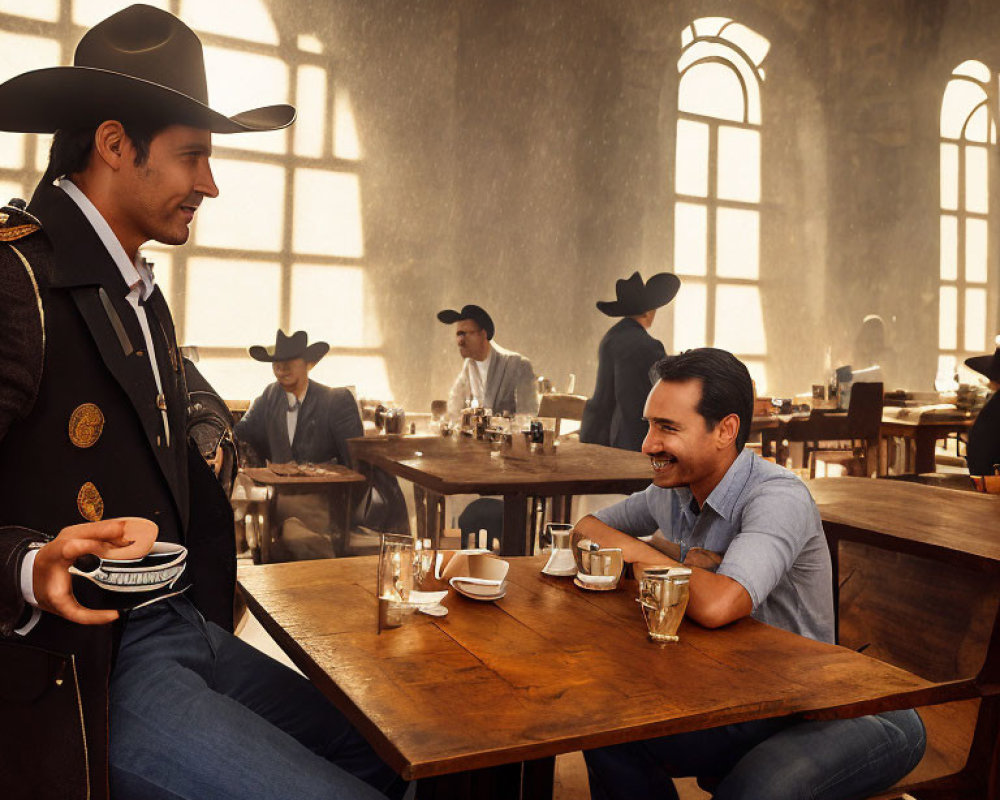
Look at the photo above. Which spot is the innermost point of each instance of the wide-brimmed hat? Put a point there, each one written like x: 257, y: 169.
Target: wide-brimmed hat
x: 636, y: 297
x: 288, y: 347
x: 475, y: 313
x: 986, y: 365
x: 141, y: 62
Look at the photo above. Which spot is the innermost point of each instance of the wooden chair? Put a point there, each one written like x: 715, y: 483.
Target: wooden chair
x: 559, y: 406
x: 859, y: 428
x: 562, y: 406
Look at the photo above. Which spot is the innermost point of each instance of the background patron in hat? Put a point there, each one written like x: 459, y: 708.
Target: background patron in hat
x: 296, y: 419
x: 491, y: 376
x: 613, y: 415
x: 983, y: 452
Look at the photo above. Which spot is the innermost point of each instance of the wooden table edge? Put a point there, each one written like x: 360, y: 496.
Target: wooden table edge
x: 370, y: 455
x: 548, y: 489
x: 956, y: 555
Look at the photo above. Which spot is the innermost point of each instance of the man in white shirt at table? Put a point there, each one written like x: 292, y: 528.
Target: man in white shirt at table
x: 752, y: 536
x: 491, y: 376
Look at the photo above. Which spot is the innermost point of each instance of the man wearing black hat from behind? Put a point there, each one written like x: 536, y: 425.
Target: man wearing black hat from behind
x: 491, y: 377
x: 627, y: 353
x: 983, y: 452
x: 161, y: 701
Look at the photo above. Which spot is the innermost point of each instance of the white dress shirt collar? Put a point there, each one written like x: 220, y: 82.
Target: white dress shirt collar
x: 292, y: 415
x: 294, y: 401
x: 135, y: 273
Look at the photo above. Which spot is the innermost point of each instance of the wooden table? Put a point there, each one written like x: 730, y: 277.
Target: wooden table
x: 918, y: 585
x: 335, y: 481
x: 549, y: 669
x: 923, y: 434
x: 945, y: 524
x: 448, y: 465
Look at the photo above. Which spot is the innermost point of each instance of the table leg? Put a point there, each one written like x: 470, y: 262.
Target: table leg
x: 514, y: 541
x: 924, y: 459
x: 562, y: 506
x: 345, y: 539
x: 441, y: 521
x: 420, y: 503
x: 430, y: 511
x: 268, y: 532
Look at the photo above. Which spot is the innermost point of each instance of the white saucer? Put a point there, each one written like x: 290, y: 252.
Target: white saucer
x: 457, y: 586
x: 561, y: 573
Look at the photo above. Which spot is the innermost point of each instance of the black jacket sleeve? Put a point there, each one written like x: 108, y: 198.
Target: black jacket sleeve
x: 344, y: 421
x: 252, y: 428
x: 22, y: 353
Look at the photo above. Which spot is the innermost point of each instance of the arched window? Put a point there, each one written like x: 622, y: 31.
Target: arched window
x: 717, y: 186
x: 283, y: 246
x: 968, y: 137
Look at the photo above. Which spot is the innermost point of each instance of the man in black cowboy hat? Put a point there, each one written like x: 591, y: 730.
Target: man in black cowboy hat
x: 983, y: 452
x: 613, y: 415
x: 297, y: 419
x: 492, y: 376
x: 93, y: 408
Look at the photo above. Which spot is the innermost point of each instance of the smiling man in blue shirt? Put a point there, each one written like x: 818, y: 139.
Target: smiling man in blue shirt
x: 752, y: 535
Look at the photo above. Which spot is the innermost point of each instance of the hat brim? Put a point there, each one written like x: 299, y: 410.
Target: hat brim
x: 315, y: 352
x: 45, y: 100
x: 988, y: 366
x: 312, y: 354
x: 449, y: 316
x: 658, y: 291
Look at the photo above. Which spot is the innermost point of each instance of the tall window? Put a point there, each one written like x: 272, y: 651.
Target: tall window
x: 283, y: 245
x: 968, y: 139
x: 718, y: 191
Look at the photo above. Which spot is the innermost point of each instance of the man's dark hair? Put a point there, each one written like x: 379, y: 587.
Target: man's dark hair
x: 71, y: 147
x: 726, y: 387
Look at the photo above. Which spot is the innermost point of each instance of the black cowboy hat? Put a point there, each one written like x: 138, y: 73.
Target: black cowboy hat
x: 475, y: 313
x: 139, y: 61
x: 636, y: 297
x: 288, y: 347
x: 986, y: 365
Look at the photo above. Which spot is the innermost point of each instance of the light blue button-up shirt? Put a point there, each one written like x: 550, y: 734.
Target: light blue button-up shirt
x: 763, y: 520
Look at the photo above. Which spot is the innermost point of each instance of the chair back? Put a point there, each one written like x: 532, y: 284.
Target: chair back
x: 562, y: 406
x: 864, y: 414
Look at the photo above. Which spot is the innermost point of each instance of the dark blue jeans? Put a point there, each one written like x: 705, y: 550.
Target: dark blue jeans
x: 766, y: 760
x: 197, y: 713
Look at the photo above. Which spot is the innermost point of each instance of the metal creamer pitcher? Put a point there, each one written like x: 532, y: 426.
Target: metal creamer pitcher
x: 663, y: 595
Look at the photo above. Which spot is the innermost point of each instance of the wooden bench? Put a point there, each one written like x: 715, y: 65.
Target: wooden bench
x: 937, y: 614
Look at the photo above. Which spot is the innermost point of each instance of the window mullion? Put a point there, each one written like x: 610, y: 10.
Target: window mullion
x: 711, y: 249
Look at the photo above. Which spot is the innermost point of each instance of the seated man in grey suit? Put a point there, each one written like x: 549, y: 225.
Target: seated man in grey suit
x: 297, y: 419
x: 491, y: 377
